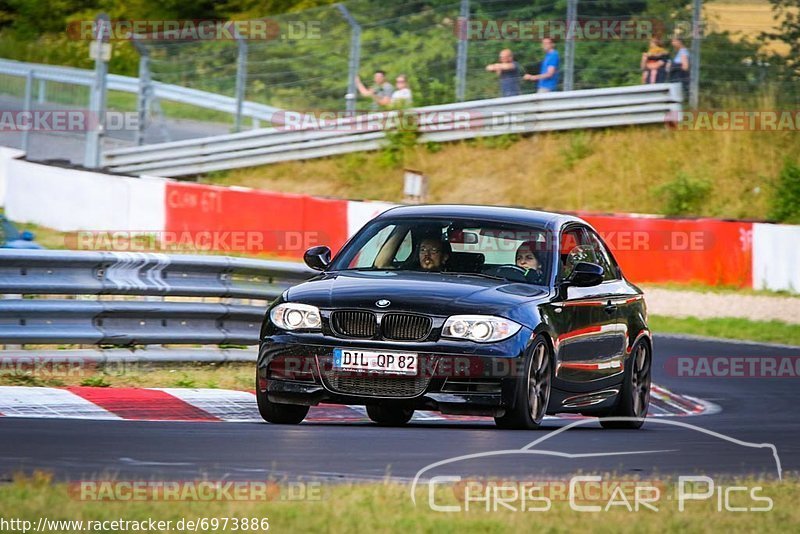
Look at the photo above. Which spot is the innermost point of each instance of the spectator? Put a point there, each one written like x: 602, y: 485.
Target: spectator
x: 654, y: 63
x: 402, y: 95
x: 508, y: 72
x: 381, y: 92
x: 547, y: 79
x: 679, y: 69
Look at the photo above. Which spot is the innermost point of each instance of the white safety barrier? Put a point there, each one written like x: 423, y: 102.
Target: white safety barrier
x: 69, y: 199
x: 776, y: 257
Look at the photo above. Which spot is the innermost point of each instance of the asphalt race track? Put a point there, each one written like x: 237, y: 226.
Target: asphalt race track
x: 753, y: 411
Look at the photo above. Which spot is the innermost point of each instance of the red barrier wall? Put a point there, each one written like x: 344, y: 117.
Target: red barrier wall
x: 653, y: 249
x: 245, y: 220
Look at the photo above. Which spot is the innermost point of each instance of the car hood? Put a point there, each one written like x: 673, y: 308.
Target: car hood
x: 431, y: 293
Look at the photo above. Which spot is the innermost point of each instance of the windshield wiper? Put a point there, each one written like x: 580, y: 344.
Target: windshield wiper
x: 481, y: 275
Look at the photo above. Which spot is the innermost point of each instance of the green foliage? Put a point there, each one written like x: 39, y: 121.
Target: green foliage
x: 789, y: 32
x: 353, y: 168
x: 412, y: 38
x: 578, y: 149
x: 501, y: 142
x: 785, y: 198
x: 95, y: 381
x: 401, y: 135
x: 185, y: 381
x: 684, y: 195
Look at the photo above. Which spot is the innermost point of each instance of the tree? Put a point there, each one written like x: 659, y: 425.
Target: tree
x: 788, y: 12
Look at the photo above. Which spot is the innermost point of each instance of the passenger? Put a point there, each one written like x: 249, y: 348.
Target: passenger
x: 528, y: 258
x: 433, y: 254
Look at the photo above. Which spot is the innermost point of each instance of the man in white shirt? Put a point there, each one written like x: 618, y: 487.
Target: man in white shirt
x: 401, y: 95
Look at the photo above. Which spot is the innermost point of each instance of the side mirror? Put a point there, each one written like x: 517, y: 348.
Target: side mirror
x: 318, y: 258
x: 27, y: 235
x: 585, y: 275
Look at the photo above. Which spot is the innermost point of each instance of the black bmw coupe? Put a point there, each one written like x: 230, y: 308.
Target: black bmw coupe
x: 502, y: 312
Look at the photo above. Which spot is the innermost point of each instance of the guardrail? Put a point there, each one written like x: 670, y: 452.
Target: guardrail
x: 128, y: 84
x: 594, y: 108
x: 27, y: 273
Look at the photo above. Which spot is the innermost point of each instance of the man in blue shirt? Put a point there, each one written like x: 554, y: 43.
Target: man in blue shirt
x: 548, y: 73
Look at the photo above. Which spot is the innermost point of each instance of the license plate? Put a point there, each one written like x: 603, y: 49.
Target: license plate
x: 403, y: 363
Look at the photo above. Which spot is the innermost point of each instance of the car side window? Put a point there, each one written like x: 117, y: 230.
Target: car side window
x: 367, y: 256
x: 604, y: 258
x: 575, y: 248
x: 404, y: 251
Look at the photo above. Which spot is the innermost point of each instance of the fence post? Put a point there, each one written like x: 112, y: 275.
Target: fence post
x: 27, y: 107
x: 241, y: 79
x: 461, y: 58
x: 145, y: 90
x: 355, y: 58
x: 97, y: 97
x: 694, y: 60
x: 569, y: 47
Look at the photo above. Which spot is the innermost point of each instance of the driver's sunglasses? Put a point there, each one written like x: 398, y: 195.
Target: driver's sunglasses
x: 429, y: 250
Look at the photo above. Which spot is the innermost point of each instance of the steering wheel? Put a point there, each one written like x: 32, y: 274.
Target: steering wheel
x: 509, y: 272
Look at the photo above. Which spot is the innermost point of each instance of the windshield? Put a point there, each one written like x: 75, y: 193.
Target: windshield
x: 459, y: 247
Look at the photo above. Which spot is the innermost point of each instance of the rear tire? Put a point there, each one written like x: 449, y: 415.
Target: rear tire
x: 634, y: 398
x: 533, y: 390
x: 390, y: 415
x: 279, y: 414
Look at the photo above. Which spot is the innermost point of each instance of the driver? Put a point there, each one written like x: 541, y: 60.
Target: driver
x: 527, y: 258
x: 433, y: 254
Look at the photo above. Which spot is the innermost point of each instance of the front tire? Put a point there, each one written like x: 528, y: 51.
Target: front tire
x: 634, y: 398
x: 389, y: 415
x: 533, y: 390
x: 275, y: 413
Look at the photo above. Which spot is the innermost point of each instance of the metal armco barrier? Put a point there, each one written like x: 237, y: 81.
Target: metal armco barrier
x: 128, y: 84
x: 135, y: 322
x: 594, y: 108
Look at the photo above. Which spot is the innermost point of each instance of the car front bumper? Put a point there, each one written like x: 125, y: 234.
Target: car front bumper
x: 453, y: 377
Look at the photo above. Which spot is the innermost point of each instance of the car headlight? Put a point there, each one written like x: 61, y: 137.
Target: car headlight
x: 291, y: 316
x: 481, y: 328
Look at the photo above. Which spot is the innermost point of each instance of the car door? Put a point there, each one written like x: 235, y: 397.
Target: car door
x: 590, y: 344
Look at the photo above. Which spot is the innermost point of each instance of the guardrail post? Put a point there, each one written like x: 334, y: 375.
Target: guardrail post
x: 569, y: 47
x: 145, y: 90
x: 241, y: 79
x: 41, y: 96
x: 694, y: 59
x: 97, y: 99
x: 27, y: 107
x: 354, y: 60
x: 461, y: 57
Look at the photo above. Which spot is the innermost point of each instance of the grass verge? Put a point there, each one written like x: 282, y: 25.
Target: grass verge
x: 239, y: 376
x: 387, y: 507
x: 729, y: 328
x: 612, y: 170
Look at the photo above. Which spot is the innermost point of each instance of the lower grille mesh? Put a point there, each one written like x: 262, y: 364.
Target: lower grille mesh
x: 374, y: 384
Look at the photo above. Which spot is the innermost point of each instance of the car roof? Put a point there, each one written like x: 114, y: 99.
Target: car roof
x: 491, y: 213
